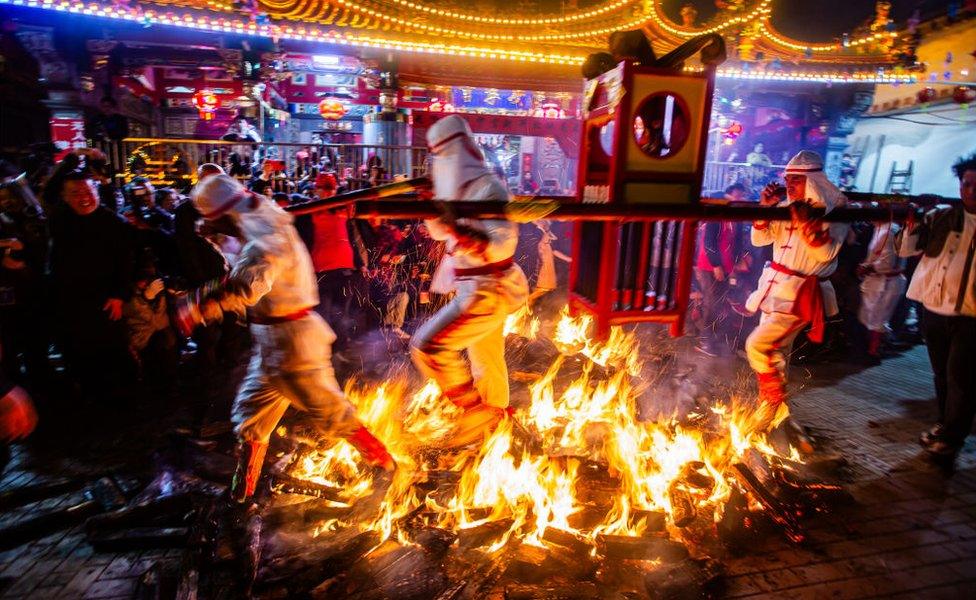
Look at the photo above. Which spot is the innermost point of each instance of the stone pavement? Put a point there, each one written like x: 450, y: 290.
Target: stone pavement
x: 911, y: 534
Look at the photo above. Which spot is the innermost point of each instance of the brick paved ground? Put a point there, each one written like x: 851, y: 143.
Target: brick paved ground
x: 912, y: 533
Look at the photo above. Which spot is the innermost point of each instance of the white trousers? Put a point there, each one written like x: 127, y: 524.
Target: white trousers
x: 768, y: 346
x: 879, y: 296
x: 473, y: 321
x: 291, y: 364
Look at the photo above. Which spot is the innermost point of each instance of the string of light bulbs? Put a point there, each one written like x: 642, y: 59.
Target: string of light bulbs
x: 306, y: 11
x: 580, y: 16
x: 332, y: 36
x: 663, y: 22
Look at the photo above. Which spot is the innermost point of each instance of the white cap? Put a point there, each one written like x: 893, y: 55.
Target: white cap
x: 457, y: 158
x: 447, y: 130
x: 217, y: 194
x: 805, y: 161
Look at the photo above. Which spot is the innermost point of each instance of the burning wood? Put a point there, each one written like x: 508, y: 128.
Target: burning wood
x: 777, y: 512
x: 574, y: 488
x: 621, y: 547
x: 567, y: 540
x: 283, y: 484
x: 576, y: 591
x: 484, y: 534
x: 683, y: 511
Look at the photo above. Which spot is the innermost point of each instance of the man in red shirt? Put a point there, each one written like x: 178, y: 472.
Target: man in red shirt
x: 332, y: 253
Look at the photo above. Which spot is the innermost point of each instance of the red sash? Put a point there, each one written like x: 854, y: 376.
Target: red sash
x: 809, y: 304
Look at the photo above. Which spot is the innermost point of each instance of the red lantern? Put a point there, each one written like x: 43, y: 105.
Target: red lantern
x: 926, y: 95
x: 331, y: 109
x: 964, y: 94
x: 207, y: 103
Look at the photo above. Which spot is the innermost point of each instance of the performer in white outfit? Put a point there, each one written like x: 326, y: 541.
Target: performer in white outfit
x: 882, y: 285
x: 793, y: 291
x: 489, y: 286
x: 274, y: 283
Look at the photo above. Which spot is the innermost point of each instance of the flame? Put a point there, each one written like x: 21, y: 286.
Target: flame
x: 523, y: 323
x: 593, y: 417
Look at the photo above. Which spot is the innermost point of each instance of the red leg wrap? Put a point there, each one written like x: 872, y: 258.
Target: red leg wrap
x: 371, y: 449
x: 250, y: 459
x: 772, y: 389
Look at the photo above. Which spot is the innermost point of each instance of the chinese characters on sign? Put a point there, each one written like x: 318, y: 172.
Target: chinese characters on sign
x: 67, y: 133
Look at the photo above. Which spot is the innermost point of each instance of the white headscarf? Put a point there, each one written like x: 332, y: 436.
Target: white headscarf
x: 457, y: 159
x: 820, y: 191
x: 256, y: 215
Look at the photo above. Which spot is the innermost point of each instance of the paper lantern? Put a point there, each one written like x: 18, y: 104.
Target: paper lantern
x: 964, y: 94
x: 926, y: 95
x: 207, y: 103
x: 331, y: 109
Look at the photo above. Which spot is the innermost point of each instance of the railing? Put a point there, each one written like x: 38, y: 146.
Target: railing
x: 720, y: 175
x: 167, y: 160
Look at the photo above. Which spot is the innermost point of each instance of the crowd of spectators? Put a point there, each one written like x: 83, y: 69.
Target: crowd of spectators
x: 112, y: 261
x: 90, y: 276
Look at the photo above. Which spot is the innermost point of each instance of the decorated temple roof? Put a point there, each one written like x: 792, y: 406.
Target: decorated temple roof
x: 522, y: 32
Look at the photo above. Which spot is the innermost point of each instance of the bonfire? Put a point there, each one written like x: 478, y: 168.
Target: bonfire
x: 574, y: 472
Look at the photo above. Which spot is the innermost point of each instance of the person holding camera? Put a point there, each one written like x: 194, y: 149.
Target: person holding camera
x: 793, y: 291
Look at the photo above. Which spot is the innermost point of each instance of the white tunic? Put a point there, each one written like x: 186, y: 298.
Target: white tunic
x: 936, y: 280
x: 777, y: 291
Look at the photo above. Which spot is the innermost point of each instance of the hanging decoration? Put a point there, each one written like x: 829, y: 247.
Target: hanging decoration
x: 926, y: 95
x: 731, y: 132
x: 549, y: 110
x: 206, y: 103
x: 438, y: 106
x: 964, y: 94
x: 332, y: 109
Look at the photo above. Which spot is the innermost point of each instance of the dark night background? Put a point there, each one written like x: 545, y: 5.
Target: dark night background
x: 819, y: 20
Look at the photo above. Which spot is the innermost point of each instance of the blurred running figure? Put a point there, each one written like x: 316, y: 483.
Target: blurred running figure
x: 273, y: 281
x: 478, y: 266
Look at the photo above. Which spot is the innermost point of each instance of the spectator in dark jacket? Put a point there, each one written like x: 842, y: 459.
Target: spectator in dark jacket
x: 91, y: 266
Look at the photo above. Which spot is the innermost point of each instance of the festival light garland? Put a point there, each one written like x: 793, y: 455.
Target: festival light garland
x: 763, y: 12
x: 206, y: 23
x: 766, y: 28
x: 580, y: 16
x: 666, y: 25
x: 308, y: 9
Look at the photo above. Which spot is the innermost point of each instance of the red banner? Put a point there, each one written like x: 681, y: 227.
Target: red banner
x: 67, y: 134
